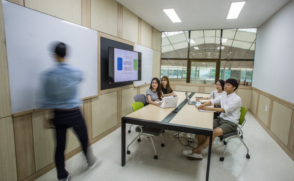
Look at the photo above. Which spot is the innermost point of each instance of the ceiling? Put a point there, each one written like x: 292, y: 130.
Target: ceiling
x: 203, y: 14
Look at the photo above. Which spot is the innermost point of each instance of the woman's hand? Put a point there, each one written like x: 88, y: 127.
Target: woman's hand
x: 175, y: 95
x: 197, y: 99
x: 159, y: 104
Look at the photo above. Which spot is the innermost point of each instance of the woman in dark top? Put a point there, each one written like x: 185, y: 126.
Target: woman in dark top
x: 165, y: 87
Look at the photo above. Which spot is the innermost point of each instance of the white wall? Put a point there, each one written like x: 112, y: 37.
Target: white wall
x: 274, y: 55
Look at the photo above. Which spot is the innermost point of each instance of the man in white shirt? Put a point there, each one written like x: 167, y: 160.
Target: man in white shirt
x: 225, y: 123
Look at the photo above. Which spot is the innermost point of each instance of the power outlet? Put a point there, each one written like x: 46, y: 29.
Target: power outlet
x: 265, y: 108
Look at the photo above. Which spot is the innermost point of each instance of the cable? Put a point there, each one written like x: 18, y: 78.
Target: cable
x: 189, y: 140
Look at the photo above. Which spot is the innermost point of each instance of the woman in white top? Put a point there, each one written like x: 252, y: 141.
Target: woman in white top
x: 220, y: 85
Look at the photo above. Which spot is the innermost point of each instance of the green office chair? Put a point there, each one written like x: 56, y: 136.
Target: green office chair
x: 237, y: 134
x: 145, y: 131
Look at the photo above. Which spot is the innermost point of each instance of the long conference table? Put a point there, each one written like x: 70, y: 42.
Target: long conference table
x: 188, y: 119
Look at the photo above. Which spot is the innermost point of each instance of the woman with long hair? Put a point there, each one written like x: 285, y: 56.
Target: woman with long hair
x: 165, y: 87
x: 154, y: 92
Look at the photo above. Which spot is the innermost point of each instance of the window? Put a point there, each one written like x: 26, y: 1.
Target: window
x: 240, y: 70
x: 238, y: 43
x: 174, y: 44
x: 175, y: 70
x: 203, y: 72
x: 205, y: 44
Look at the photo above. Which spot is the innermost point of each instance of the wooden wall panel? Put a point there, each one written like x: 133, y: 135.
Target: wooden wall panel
x: 104, y: 16
x: 156, y: 64
x: 24, y: 146
x: 143, y: 89
x: 281, y: 121
x: 7, y: 150
x: 156, y: 40
x: 246, y: 97
x: 44, y: 144
x: 19, y: 2
x: 86, y: 13
x: 253, y: 103
x: 291, y: 134
x: 104, y: 113
x: 119, y: 106
x: 208, y: 90
x: 146, y: 34
x: 130, y: 26
x: 127, y: 100
x: 88, y: 116
x: 187, y: 88
x: 72, y: 141
x: 262, y: 113
x: 119, y: 20
x: 5, y: 107
x: 201, y: 89
x: 69, y: 10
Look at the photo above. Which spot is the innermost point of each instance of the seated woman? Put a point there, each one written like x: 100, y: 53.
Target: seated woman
x: 165, y: 87
x: 220, y: 85
x: 154, y: 92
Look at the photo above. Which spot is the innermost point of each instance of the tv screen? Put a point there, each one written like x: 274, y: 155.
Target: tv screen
x: 124, y: 65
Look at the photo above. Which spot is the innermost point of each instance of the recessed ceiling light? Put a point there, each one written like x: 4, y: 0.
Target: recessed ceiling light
x: 196, y: 48
x: 235, y: 10
x: 224, y: 40
x: 171, y: 13
x: 219, y: 47
x: 192, y: 41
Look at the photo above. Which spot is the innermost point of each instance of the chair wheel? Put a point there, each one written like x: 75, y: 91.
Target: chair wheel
x: 248, y: 156
x: 139, y: 140
x: 221, y: 139
x: 162, y: 144
x: 225, y: 142
x: 241, y: 136
x: 128, y: 152
x: 163, y: 131
x: 155, y: 157
x: 129, y: 131
x: 221, y: 159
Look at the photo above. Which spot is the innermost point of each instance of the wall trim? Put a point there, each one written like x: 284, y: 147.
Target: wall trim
x: 275, y: 98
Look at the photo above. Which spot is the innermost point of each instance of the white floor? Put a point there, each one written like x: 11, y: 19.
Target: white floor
x: 268, y: 161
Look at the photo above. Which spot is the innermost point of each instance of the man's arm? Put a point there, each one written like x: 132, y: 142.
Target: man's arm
x: 208, y: 103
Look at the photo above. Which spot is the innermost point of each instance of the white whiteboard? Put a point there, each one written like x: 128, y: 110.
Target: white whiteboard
x: 29, y: 35
x: 147, y: 59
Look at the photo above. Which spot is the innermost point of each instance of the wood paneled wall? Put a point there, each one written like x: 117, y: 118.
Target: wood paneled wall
x: 69, y: 10
x: 29, y: 147
x: 277, y: 120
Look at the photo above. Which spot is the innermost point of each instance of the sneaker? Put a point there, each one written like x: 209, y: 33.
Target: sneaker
x: 67, y: 178
x: 195, y: 156
x: 187, y: 152
x: 95, y: 164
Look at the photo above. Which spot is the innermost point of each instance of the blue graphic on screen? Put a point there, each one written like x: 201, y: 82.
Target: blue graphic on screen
x: 119, y: 63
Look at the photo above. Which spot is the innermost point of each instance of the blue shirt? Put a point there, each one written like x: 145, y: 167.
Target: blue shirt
x: 59, y: 87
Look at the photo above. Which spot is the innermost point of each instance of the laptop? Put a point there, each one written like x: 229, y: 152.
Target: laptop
x: 169, y: 102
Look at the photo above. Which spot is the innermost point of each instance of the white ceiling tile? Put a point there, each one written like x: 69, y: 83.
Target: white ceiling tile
x: 245, y: 36
x: 239, y: 44
x: 167, y: 48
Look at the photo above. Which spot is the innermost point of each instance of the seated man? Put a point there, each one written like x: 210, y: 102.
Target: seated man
x: 225, y: 123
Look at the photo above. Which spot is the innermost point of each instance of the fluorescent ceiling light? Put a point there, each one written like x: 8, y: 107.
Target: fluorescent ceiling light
x: 235, y: 10
x: 196, y: 48
x: 224, y: 40
x: 171, y: 13
x: 222, y: 48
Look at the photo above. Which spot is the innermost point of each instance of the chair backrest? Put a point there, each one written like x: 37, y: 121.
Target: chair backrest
x: 137, y: 105
x: 242, y: 116
x: 140, y: 98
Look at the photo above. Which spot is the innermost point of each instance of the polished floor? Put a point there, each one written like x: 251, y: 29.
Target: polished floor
x: 268, y: 161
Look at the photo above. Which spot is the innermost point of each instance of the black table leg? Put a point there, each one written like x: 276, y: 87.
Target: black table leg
x: 208, y: 159
x: 123, y: 142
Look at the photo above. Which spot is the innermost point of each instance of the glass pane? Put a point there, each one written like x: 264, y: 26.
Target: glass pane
x: 240, y: 70
x: 238, y: 43
x: 174, y: 44
x: 176, y: 70
x: 205, y: 44
x: 203, y: 72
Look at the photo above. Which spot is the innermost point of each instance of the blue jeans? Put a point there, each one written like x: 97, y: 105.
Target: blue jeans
x: 64, y: 119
